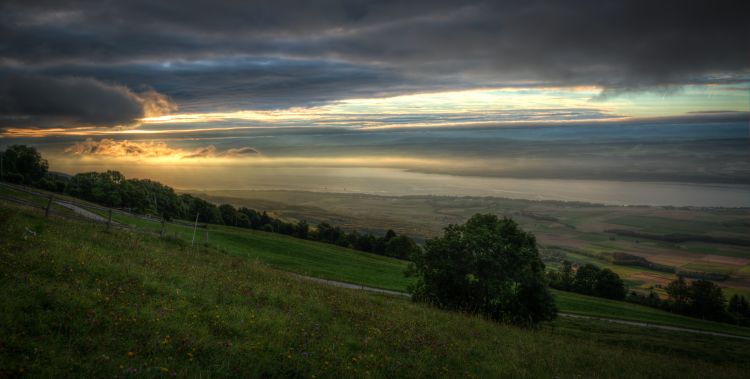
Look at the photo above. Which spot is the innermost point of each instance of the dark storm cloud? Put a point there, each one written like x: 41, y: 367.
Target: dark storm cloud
x: 73, y: 101
x: 252, y: 82
x: 325, y: 50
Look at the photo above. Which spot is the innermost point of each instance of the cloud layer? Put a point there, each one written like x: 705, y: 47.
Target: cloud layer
x: 111, y: 148
x: 253, y: 54
x: 43, y: 102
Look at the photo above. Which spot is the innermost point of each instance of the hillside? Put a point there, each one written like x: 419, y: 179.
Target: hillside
x: 86, y: 302
x: 702, y: 242
x: 332, y: 262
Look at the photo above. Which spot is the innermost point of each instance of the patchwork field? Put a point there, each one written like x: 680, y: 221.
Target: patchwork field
x: 699, y: 242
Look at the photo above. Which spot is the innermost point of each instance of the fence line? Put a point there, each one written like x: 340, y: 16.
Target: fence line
x: 106, y: 220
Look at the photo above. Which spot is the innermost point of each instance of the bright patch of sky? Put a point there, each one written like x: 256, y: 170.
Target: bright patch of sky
x: 480, y: 107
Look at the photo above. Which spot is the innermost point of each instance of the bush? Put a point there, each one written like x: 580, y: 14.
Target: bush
x: 487, y: 266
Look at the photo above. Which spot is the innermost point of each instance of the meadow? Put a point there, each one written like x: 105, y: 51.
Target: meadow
x: 90, y: 302
x: 714, y: 240
x: 326, y: 261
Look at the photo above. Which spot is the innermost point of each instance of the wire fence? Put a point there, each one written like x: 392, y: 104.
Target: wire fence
x: 58, y: 206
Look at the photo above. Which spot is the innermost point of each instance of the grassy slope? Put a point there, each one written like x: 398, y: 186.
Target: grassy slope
x: 594, y: 306
x: 337, y: 263
x: 575, y: 227
x: 91, y: 303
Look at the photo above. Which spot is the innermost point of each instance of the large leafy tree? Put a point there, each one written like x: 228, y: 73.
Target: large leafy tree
x: 23, y: 164
x: 488, y: 266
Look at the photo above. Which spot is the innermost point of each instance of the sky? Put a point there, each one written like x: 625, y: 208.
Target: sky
x: 603, y: 90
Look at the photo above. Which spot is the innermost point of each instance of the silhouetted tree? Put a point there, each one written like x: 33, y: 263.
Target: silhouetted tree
x: 564, y: 278
x: 707, y: 300
x: 585, y: 279
x: 22, y: 164
x: 739, y: 309
x: 389, y: 234
x: 567, y: 276
x: 609, y: 285
x: 679, y: 294
x: 401, y: 247
x: 302, y: 230
x: 488, y: 266
x: 228, y: 214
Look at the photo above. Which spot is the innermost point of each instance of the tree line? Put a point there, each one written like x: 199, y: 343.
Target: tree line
x: 700, y: 299
x: 589, y: 279
x: 24, y: 165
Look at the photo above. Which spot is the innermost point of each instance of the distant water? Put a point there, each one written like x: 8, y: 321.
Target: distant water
x: 400, y: 182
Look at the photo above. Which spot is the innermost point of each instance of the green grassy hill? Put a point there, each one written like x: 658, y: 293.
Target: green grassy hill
x: 581, y: 233
x: 80, y: 301
x: 336, y: 263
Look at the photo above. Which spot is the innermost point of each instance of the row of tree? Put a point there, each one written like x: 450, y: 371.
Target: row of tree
x: 24, y: 165
x: 699, y: 298
x: 588, y: 279
x: 390, y: 244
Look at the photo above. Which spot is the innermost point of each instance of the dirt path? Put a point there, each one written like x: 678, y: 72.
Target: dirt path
x: 570, y: 315
x: 83, y: 212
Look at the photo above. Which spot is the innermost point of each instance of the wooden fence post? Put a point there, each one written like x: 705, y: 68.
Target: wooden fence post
x: 49, y: 206
x: 162, y: 226
x: 192, y: 243
x: 205, y: 236
x: 109, y: 219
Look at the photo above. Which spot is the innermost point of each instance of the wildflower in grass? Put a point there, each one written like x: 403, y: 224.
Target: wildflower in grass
x: 131, y: 354
x: 164, y: 369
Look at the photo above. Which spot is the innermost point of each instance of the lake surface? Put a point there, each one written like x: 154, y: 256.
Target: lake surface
x: 401, y: 182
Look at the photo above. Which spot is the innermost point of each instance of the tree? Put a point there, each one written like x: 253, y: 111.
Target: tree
x: 401, y: 247
x: 585, y: 280
x: 252, y: 216
x: 389, y: 234
x: 563, y: 279
x: 739, y: 309
x: 302, y: 230
x: 228, y: 214
x: 706, y: 300
x: 487, y: 266
x: 567, y: 276
x: 679, y: 294
x: 609, y: 285
x: 24, y: 164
